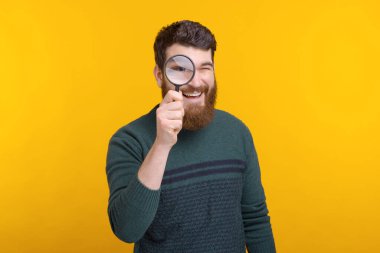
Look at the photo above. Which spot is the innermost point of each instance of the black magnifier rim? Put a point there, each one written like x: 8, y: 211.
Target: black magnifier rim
x: 192, y: 76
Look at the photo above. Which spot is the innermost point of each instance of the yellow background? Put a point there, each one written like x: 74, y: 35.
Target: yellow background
x: 303, y: 75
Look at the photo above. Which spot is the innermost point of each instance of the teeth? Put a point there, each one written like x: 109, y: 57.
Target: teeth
x: 195, y: 94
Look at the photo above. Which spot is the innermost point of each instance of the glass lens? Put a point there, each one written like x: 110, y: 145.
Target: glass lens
x: 179, y: 69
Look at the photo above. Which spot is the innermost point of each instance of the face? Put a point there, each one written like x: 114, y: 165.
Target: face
x: 200, y: 94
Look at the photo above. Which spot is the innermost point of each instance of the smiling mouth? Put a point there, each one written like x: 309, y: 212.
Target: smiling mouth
x: 192, y: 94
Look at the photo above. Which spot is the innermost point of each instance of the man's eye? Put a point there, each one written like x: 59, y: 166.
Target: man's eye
x: 179, y: 68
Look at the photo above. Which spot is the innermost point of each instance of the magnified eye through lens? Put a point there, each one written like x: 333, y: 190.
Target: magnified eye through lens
x: 179, y: 70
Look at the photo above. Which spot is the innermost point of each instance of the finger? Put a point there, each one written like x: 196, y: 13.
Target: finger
x: 171, y: 96
x: 173, y: 106
x: 176, y: 125
x: 174, y: 115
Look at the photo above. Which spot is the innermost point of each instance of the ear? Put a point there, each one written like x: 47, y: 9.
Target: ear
x: 158, y: 75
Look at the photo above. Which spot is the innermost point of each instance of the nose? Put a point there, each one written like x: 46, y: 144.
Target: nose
x: 196, y: 82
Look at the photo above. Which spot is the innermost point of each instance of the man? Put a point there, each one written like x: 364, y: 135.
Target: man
x: 185, y: 177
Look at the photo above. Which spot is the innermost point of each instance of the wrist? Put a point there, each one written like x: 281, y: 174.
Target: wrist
x: 163, y: 146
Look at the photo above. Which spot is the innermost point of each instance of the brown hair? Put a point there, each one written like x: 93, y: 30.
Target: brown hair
x: 185, y: 32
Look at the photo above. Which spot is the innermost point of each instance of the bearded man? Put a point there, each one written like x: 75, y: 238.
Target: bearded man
x: 185, y: 177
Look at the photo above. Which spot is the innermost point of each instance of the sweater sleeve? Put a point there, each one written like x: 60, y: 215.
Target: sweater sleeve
x: 131, y: 205
x: 257, y: 226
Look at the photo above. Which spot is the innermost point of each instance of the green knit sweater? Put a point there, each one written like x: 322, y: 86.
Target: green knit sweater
x: 211, y: 198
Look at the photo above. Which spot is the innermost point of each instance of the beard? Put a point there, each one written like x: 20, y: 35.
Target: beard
x: 197, y: 116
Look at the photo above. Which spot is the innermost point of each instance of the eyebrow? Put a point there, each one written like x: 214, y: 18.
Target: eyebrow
x: 208, y: 64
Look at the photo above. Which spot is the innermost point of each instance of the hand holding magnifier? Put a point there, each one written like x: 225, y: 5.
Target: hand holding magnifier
x: 179, y: 70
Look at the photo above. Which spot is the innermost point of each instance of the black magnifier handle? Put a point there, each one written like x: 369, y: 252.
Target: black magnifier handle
x: 177, y: 88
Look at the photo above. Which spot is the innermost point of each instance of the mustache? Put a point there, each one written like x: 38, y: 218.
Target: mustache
x: 203, y: 89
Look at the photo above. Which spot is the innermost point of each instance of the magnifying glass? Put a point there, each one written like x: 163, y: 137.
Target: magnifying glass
x: 179, y: 70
